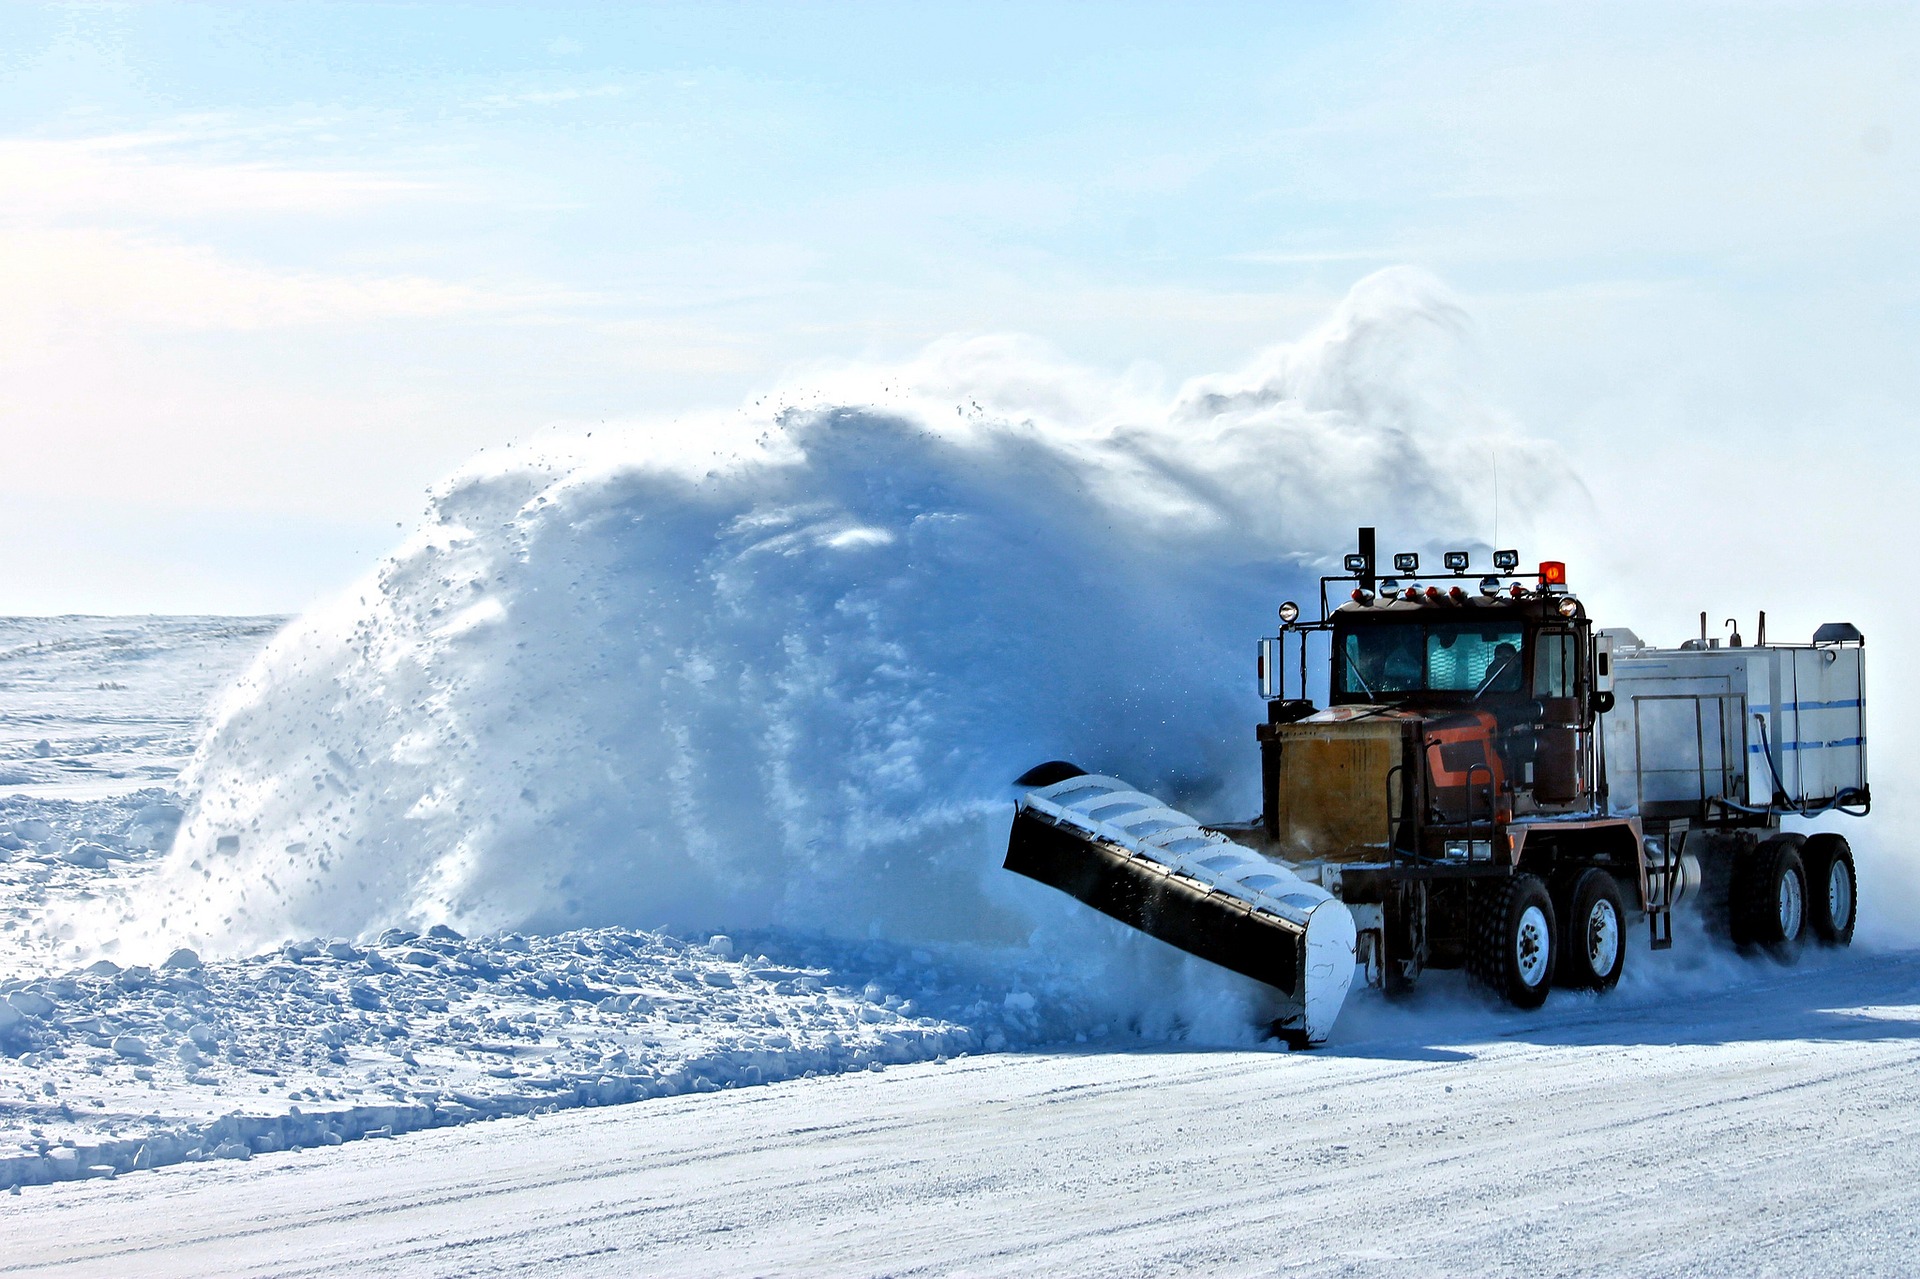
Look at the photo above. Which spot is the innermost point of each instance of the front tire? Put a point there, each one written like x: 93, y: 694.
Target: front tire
x: 1833, y: 889
x: 1594, y: 938
x: 1515, y: 940
x: 1769, y: 898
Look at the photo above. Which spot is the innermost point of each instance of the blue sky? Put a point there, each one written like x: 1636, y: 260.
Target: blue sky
x: 274, y: 269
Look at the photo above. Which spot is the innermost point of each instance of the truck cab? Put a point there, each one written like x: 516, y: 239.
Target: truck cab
x: 1516, y: 668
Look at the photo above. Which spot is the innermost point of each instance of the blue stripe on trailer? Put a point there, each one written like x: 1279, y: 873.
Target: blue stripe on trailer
x: 1757, y: 749
x: 1764, y: 709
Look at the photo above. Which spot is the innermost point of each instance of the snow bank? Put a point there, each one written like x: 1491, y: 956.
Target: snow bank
x: 777, y: 668
x: 111, y: 1069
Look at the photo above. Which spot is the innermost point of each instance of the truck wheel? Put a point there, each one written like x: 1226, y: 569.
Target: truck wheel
x: 1514, y: 939
x: 1594, y: 938
x: 1769, y: 899
x: 1833, y: 898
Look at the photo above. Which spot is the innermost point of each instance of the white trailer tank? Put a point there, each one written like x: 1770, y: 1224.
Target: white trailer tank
x: 1764, y: 727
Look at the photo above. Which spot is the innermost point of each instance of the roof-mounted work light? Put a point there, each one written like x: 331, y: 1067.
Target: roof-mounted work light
x: 1407, y: 562
x: 1456, y: 561
x: 1389, y: 587
x: 1489, y: 586
x: 1569, y: 607
x: 1506, y: 561
x: 1553, y: 575
x: 1289, y: 612
x: 1356, y: 563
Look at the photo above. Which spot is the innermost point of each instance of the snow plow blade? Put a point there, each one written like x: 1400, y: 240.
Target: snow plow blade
x: 1128, y: 855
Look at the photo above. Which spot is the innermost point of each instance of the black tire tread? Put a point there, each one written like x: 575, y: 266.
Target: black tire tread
x: 1570, y: 966
x: 1753, y: 906
x: 1490, y: 957
x: 1818, y: 854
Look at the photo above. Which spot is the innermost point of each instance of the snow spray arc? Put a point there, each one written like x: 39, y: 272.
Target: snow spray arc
x: 779, y: 667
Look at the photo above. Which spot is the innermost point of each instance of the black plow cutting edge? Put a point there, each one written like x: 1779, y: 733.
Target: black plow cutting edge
x: 1138, y: 892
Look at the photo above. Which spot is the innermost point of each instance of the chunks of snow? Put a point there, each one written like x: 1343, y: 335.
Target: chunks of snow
x: 30, y: 1003
x: 91, y: 855
x: 232, y: 1058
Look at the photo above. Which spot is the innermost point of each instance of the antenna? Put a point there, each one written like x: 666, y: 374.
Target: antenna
x: 1496, y: 495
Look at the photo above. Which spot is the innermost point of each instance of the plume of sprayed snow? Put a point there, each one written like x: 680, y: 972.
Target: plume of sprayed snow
x: 778, y: 667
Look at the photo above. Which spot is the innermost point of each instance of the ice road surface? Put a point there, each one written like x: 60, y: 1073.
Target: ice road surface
x: 1767, y: 1129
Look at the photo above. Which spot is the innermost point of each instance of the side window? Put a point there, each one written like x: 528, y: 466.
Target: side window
x: 1553, y: 664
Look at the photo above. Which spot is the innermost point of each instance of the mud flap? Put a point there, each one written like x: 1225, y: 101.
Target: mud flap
x: 1156, y: 869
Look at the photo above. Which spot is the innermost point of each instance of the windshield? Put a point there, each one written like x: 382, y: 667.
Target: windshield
x: 1437, y: 657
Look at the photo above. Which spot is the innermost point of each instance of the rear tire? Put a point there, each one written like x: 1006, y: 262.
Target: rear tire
x: 1833, y: 889
x: 1593, y: 949
x: 1769, y: 898
x: 1515, y: 940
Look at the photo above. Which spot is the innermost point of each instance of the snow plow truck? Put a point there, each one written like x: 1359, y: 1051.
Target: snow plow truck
x: 1492, y: 785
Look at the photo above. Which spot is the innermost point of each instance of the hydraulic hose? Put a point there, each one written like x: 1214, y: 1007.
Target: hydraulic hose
x: 1839, y: 802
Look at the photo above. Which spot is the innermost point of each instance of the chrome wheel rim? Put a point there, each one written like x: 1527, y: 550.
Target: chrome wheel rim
x: 1793, y: 905
x: 1603, y: 937
x: 1840, y: 895
x: 1531, y: 946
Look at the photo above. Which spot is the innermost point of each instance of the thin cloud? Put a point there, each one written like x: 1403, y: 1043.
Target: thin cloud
x: 1278, y: 257
x: 91, y: 276
x: 144, y: 176
x: 553, y: 97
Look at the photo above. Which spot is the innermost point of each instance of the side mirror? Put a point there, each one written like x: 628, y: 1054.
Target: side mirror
x: 1603, y: 663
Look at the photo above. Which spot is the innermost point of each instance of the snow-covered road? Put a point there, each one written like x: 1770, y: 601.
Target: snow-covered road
x: 1769, y: 1128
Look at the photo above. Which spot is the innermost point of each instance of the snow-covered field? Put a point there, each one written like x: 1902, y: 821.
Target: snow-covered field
x: 924, y: 1110
x: 105, y: 1067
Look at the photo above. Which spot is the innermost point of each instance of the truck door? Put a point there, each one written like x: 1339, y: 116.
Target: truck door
x: 1557, y: 775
